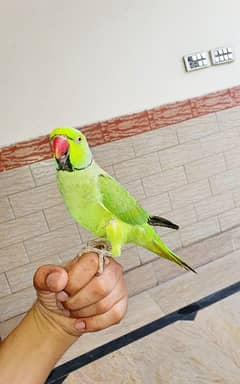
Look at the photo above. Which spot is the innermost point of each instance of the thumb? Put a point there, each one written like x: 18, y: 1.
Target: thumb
x: 51, y: 278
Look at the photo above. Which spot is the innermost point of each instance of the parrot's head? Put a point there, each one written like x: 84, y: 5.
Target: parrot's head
x: 70, y: 149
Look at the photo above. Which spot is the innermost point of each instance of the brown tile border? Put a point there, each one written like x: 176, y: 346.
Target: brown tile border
x: 31, y: 151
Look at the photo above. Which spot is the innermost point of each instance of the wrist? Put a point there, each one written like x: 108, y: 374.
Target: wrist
x: 53, y: 324
x: 32, y: 349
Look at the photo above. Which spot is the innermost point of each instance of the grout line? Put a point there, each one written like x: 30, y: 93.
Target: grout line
x: 12, y: 209
x: 219, y: 94
x: 187, y: 313
x: 30, y: 169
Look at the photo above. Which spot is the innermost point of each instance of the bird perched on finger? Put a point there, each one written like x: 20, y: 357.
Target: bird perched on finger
x: 101, y: 204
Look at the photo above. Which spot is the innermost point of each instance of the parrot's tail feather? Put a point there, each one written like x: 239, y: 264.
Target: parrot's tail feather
x: 168, y: 254
x: 161, y: 222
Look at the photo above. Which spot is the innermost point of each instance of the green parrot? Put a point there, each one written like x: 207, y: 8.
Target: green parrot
x: 99, y: 203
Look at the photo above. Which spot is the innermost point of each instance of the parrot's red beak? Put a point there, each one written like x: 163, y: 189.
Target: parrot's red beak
x: 60, y: 147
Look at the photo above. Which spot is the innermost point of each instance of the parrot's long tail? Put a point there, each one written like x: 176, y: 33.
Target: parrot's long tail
x: 161, y: 222
x: 162, y: 250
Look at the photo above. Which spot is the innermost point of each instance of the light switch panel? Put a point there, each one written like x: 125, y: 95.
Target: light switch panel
x: 222, y: 55
x: 194, y: 61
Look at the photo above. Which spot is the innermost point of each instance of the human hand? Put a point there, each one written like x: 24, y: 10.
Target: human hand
x: 77, y: 300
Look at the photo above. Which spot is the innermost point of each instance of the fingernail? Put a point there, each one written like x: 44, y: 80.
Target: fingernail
x: 52, y: 279
x: 79, y: 325
x: 66, y: 312
x: 62, y: 296
x: 59, y: 305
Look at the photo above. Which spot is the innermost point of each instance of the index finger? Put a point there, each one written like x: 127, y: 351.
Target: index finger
x: 80, y: 271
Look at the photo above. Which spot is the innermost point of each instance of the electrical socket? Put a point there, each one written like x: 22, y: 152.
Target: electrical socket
x: 222, y: 55
x: 195, y: 61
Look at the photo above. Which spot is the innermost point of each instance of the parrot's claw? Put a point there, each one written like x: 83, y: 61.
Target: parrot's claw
x: 99, y: 244
x: 102, y: 249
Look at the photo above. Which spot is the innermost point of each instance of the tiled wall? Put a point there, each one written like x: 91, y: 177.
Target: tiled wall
x: 188, y: 172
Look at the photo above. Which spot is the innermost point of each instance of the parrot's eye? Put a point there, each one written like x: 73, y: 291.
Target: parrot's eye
x: 78, y: 139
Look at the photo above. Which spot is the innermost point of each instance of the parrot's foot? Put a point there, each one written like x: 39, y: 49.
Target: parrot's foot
x: 102, y: 249
x: 99, y: 244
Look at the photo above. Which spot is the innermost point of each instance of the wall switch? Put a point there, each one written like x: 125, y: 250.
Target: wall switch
x: 221, y: 55
x: 194, y: 61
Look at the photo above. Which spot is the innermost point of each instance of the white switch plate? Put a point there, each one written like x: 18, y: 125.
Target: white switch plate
x: 197, y: 60
x: 221, y: 55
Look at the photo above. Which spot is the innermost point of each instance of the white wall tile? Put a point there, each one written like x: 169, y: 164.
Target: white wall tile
x: 196, y: 128
x: 17, y: 230
x: 164, y: 181
x: 203, y: 168
x: 190, y: 193
x: 154, y: 140
x: 15, y: 180
x: 136, y: 168
x: 199, y: 231
x: 214, y: 205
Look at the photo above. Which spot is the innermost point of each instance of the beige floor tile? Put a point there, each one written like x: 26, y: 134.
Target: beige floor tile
x: 141, y: 310
x: 12, y: 256
x: 201, y: 352
x: 189, y: 287
x: 140, y: 279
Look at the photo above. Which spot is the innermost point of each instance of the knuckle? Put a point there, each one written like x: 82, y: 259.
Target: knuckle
x: 102, y: 288
x: 70, y: 305
x: 118, y: 266
x: 103, y: 306
x: 93, y: 259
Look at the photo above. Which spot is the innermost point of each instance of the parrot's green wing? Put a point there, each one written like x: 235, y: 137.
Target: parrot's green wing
x: 119, y: 201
